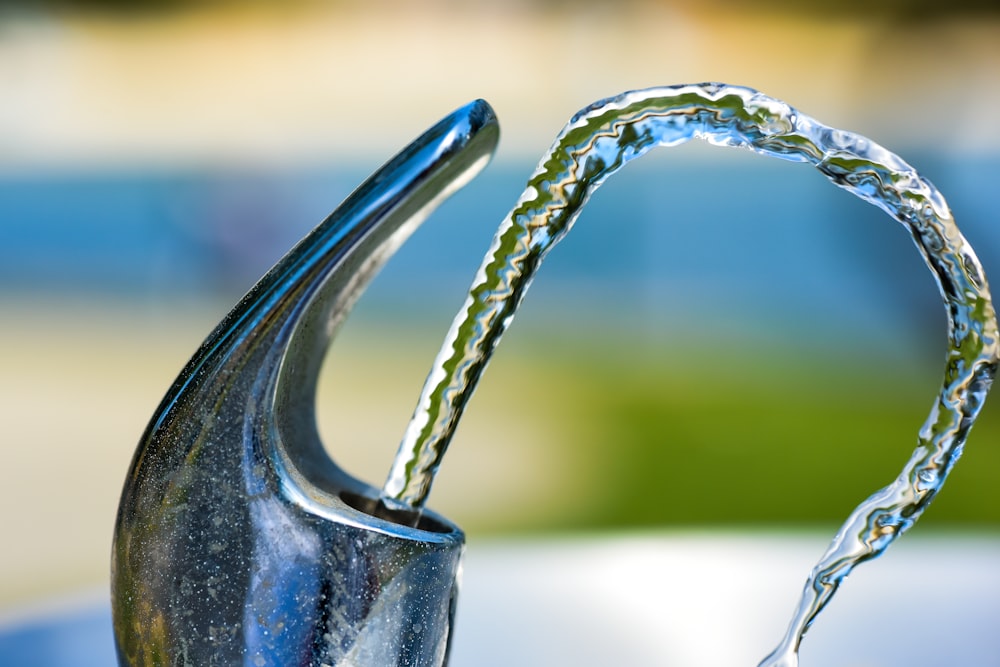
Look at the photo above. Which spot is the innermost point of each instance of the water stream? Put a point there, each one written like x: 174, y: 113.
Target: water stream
x: 597, y: 142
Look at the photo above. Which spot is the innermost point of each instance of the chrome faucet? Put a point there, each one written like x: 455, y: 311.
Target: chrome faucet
x: 238, y: 541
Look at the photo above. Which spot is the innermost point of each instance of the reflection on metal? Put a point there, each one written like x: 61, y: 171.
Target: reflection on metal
x: 238, y: 541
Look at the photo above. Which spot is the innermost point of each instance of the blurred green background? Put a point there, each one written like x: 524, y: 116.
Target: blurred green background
x: 723, y: 342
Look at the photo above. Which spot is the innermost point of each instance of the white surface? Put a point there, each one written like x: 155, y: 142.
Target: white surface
x: 724, y: 600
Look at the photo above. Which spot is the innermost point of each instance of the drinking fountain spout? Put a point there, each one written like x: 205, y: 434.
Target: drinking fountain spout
x: 238, y: 540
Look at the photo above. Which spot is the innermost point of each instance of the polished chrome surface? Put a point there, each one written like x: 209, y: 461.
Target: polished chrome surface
x: 238, y: 540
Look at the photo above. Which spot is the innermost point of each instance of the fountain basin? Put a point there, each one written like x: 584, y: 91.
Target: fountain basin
x: 654, y: 599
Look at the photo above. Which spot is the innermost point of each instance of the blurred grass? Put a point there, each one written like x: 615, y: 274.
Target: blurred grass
x: 691, y: 434
x: 574, y: 428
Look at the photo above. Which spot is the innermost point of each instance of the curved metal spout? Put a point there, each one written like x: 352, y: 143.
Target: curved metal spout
x: 238, y: 541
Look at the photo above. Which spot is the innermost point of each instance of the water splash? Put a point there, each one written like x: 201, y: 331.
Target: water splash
x: 596, y: 143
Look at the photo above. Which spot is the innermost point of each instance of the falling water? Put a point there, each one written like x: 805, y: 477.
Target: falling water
x: 596, y: 143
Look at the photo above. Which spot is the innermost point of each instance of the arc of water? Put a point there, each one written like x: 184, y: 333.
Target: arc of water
x: 597, y: 142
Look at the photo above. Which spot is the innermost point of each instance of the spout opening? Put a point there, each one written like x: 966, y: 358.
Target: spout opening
x: 407, y: 518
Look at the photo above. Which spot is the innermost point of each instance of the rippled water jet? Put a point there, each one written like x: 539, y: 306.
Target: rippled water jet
x: 597, y: 142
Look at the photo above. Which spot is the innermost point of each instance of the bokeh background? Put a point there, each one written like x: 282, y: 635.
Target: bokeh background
x: 723, y: 342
